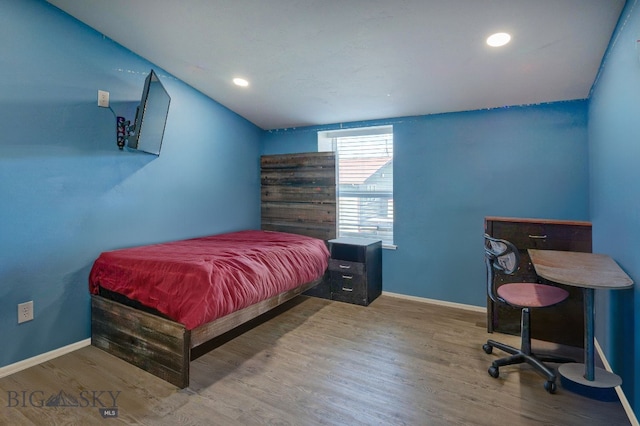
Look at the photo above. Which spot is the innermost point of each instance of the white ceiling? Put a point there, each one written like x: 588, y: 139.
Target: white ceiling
x: 312, y: 62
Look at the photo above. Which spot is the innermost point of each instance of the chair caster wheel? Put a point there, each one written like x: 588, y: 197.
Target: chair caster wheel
x: 493, y: 372
x: 487, y: 348
x: 550, y: 387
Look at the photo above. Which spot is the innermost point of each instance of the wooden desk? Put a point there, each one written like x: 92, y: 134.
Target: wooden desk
x: 589, y: 271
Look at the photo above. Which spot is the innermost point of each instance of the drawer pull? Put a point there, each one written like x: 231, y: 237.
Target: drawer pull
x: 538, y: 237
x: 347, y: 277
x: 346, y: 289
x: 344, y: 266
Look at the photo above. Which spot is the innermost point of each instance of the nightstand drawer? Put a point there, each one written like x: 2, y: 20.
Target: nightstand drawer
x: 354, y: 268
x: 346, y: 278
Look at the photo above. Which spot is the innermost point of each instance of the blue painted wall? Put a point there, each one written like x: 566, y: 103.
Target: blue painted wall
x: 452, y: 170
x: 67, y: 193
x: 614, y: 143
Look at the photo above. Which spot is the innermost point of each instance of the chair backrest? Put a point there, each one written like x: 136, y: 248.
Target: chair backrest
x: 500, y: 255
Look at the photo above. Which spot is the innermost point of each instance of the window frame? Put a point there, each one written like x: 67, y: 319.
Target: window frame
x: 328, y: 141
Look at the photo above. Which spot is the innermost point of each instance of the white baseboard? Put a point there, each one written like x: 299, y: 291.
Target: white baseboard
x: 437, y: 302
x: 39, y: 359
x: 623, y: 399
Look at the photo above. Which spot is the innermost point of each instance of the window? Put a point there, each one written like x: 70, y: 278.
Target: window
x: 365, y: 180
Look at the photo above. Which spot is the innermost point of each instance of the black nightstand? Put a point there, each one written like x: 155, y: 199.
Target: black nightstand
x: 355, y: 270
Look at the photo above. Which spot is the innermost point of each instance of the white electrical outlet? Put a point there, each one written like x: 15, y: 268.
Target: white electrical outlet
x: 25, y: 311
x: 103, y: 98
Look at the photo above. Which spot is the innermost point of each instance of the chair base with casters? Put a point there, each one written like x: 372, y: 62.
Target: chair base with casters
x: 502, y: 256
x: 525, y: 355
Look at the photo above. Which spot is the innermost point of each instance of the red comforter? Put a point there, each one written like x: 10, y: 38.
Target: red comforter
x: 198, y: 280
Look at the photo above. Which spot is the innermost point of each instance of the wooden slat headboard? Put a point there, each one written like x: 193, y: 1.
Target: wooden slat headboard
x: 299, y: 193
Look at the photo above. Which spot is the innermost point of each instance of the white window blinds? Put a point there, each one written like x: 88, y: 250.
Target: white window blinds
x: 365, y: 180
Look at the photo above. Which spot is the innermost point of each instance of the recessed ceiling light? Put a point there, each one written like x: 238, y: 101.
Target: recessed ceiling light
x: 498, y: 39
x: 240, y: 82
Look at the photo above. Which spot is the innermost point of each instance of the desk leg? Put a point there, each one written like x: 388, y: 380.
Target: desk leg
x: 586, y: 378
x: 589, y: 333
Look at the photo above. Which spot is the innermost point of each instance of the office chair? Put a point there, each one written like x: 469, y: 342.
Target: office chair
x: 502, y: 256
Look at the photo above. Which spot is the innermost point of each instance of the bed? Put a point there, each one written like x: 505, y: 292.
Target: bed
x: 153, y: 305
x: 298, y: 196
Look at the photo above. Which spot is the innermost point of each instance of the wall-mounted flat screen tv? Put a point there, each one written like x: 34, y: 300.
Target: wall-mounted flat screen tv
x: 151, y: 117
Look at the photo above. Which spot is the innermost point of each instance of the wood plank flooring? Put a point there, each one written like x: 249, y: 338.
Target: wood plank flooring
x: 395, y: 362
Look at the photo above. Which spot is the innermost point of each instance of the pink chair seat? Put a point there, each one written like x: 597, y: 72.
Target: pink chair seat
x: 531, y: 295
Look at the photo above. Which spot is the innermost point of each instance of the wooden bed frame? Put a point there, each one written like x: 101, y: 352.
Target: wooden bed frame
x: 298, y: 196
x: 161, y: 346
